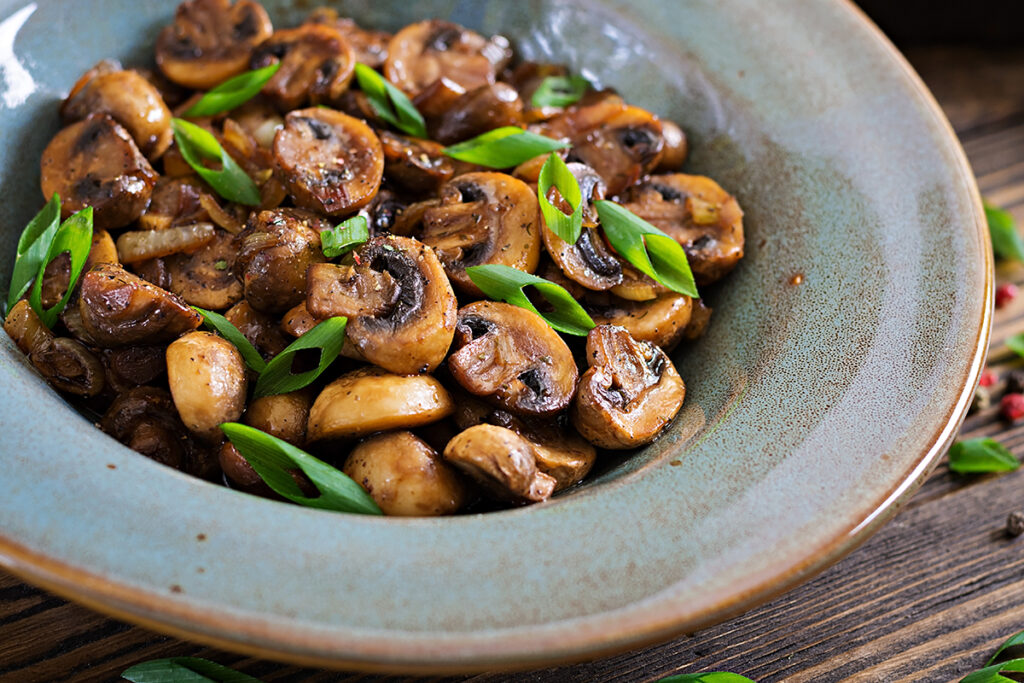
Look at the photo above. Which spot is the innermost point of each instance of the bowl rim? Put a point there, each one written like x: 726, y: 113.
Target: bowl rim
x: 605, y: 633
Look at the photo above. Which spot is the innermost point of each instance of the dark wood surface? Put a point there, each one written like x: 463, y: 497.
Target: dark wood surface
x: 926, y: 599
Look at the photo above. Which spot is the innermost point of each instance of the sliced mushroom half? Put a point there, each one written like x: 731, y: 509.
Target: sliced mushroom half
x: 95, y: 162
x: 485, y: 108
x: 400, y: 305
x: 332, y: 163
x: 210, y: 41
x: 317, y: 63
x: 502, y: 462
x: 630, y: 393
x: 484, y: 218
x: 426, y: 51
x: 699, y: 214
x: 511, y: 357
x: 418, y: 166
x: 204, y: 278
x: 662, y: 321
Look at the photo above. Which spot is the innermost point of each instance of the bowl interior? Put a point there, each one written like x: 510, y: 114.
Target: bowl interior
x: 810, y: 407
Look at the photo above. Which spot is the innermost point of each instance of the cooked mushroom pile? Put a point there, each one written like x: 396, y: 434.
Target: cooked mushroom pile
x: 441, y: 400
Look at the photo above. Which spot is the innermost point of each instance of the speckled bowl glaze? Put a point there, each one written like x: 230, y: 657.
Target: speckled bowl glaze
x: 812, y: 411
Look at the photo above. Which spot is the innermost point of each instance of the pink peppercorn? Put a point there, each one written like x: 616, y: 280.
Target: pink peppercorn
x: 1005, y: 293
x: 987, y: 379
x: 1011, y: 407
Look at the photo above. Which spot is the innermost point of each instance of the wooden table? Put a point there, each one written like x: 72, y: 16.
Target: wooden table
x: 926, y: 599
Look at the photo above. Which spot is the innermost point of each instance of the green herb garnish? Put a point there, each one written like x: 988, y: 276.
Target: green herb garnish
x: 991, y: 674
x: 272, y: 458
x: 504, y: 147
x: 651, y: 251
x: 223, y: 326
x: 1014, y: 641
x: 555, y: 173
x: 230, y: 182
x: 390, y: 103
x: 184, y: 670
x: 1006, y: 241
x: 32, y: 247
x: 559, y: 91
x: 74, y: 236
x: 233, y: 92
x: 278, y: 378
x: 506, y: 284
x: 709, y: 677
x: 981, y: 455
x: 344, y: 237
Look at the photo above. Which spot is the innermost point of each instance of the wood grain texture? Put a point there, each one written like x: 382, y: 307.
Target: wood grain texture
x: 926, y: 599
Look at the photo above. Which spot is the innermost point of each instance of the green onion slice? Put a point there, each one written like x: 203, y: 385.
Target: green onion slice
x: 650, y: 250
x: 559, y: 91
x: 230, y: 182
x: 1006, y: 241
x: 981, y: 455
x: 707, y: 677
x: 555, y: 173
x: 184, y: 670
x: 506, y: 284
x: 345, y: 237
x: 504, y: 147
x: 390, y: 103
x: 277, y: 377
x: 32, y: 247
x: 1014, y: 641
x: 272, y: 458
x: 991, y: 674
x: 233, y: 92
x: 216, y: 321
x: 75, y: 237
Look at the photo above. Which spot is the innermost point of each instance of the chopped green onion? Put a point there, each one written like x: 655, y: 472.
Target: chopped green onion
x: 991, y: 674
x: 75, y: 237
x: 1006, y: 241
x: 506, y: 284
x: 230, y: 182
x: 555, y: 173
x: 184, y: 670
x: 344, y: 237
x: 390, y: 103
x: 707, y: 677
x: 233, y: 92
x: 504, y: 147
x: 650, y: 250
x: 272, y: 459
x: 981, y: 455
x: 1014, y: 641
x: 277, y: 377
x: 223, y: 326
x: 559, y: 91
x: 32, y: 247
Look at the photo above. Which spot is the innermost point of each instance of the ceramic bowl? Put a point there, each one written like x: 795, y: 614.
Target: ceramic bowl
x: 812, y: 410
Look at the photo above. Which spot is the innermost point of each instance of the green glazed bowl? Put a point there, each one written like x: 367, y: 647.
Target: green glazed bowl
x: 813, y: 409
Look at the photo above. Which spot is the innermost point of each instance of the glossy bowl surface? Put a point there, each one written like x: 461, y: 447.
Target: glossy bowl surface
x: 812, y: 411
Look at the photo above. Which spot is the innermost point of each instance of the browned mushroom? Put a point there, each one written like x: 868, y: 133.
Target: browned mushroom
x: 274, y: 252
x: 282, y: 415
x: 259, y: 328
x: 132, y: 366
x: 174, y: 201
x: 25, y: 328
x: 382, y: 213
x: 332, y: 163
x: 95, y: 162
x: 131, y: 100
x: 485, y: 108
x: 484, y: 218
x: 210, y: 41
x: 502, y: 462
x: 629, y: 394
x: 69, y: 366
x: 417, y: 166
x: 371, y: 47
x: 317, y: 63
x: 699, y: 214
x: 401, y: 306
x: 144, y: 419
x: 204, y: 278
x: 297, y: 321
x: 371, y: 400
x: 673, y: 154
x: 57, y: 273
x: 662, y: 321
x: 423, y: 52
x: 405, y: 476
x: 511, y: 357
x: 637, y: 286
x: 207, y: 377
x: 121, y: 309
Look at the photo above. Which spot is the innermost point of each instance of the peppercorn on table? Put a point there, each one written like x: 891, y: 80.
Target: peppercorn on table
x: 928, y: 598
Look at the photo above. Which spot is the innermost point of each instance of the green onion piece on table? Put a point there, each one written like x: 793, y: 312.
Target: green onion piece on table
x: 981, y: 455
x: 33, y: 245
x: 504, y: 147
x: 555, y: 173
x: 505, y: 283
x: 559, y: 91
x: 230, y: 182
x: 991, y: 674
x: 272, y: 459
x: 278, y: 378
x: 224, y: 327
x: 1014, y: 641
x: 184, y: 670
x: 650, y: 250
x: 390, y: 103
x: 1006, y: 241
x: 75, y: 237
x: 708, y: 677
x: 344, y: 237
x: 233, y: 92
